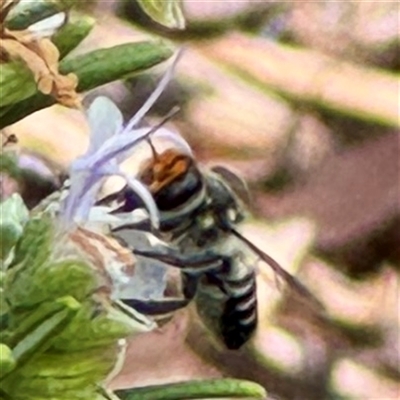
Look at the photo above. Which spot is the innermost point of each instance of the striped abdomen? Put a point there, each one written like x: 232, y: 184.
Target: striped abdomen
x: 227, y: 300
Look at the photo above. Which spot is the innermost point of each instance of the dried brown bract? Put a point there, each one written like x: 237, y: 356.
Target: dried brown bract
x: 41, y: 56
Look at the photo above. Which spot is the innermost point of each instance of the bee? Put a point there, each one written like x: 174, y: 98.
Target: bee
x: 200, y: 211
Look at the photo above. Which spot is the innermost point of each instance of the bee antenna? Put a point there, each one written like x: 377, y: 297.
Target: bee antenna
x: 155, y: 128
x: 153, y: 149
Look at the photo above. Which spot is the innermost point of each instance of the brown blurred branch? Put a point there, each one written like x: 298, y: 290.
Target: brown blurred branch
x: 311, y: 77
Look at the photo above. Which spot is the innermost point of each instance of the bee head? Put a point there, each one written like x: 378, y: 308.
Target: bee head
x: 172, y: 178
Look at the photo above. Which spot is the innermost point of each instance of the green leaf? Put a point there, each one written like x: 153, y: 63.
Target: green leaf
x: 166, y: 12
x: 93, y: 363
x: 71, y: 34
x: 16, y: 83
x: 55, y: 374
x: 94, y: 69
x: 41, y: 281
x: 37, y: 340
x: 13, y: 216
x: 9, y: 164
x: 7, y: 360
x: 34, y: 245
x: 215, y: 388
x: 77, y: 388
x: 36, y: 317
x: 27, y: 13
x: 103, y: 327
x: 4, y: 310
x: 106, y: 65
x: 37, y: 274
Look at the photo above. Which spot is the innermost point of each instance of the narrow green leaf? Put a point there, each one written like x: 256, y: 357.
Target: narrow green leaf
x: 105, y: 328
x: 106, y: 65
x: 95, y: 363
x: 77, y: 388
x: 37, y: 316
x: 16, y: 83
x: 13, y: 214
x: 34, y: 245
x: 28, y: 12
x: 211, y: 389
x: 15, y: 112
x: 166, y: 12
x: 71, y: 34
x: 37, y: 340
x: 28, y: 284
x: 94, y: 69
x: 9, y: 164
x: 7, y: 360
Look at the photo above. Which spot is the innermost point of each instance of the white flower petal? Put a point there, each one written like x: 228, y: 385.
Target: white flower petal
x: 111, y: 144
x: 85, y: 202
x: 117, y: 146
x: 99, y: 213
x: 35, y: 164
x: 105, y: 120
x: 147, y: 198
x: 48, y: 26
x: 71, y: 201
x: 174, y: 138
x: 154, y: 96
x: 148, y: 283
x: 125, y: 218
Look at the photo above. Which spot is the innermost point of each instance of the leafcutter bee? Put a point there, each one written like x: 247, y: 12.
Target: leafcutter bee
x: 200, y: 211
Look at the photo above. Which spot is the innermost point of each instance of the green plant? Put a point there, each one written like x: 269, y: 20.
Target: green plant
x: 62, y: 333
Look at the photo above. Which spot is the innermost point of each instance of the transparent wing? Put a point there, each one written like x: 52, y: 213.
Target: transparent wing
x: 292, y: 282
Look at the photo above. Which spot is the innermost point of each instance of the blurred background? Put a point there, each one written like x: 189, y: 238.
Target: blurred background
x: 302, y: 98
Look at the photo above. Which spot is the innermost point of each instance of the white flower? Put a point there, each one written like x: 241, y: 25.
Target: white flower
x: 110, y: 144
x: 48, y: 26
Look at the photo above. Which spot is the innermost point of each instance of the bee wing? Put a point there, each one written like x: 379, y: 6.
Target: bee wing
x: 293, y: 283
x: 238, y: 184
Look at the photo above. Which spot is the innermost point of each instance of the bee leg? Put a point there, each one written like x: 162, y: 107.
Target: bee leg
x: 189, y: 285
x: 192, y: 264
x: 164, y: 307
x: 156, y: 307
